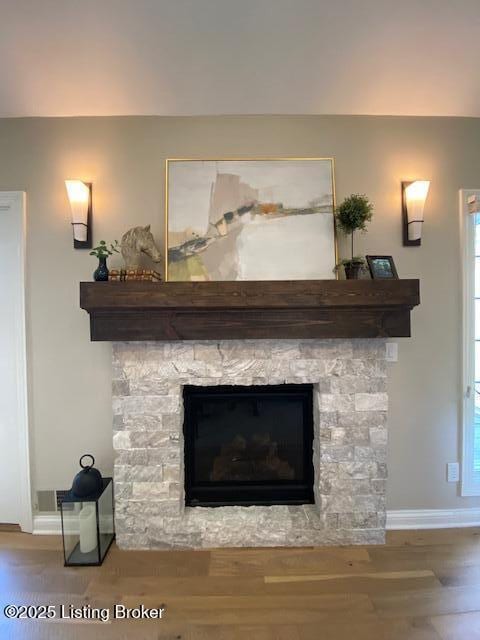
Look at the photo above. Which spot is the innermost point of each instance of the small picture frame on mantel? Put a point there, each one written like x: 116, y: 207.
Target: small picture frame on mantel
x: 382, y: 268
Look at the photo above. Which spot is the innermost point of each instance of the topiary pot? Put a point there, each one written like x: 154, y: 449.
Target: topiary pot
x: 353, y: 269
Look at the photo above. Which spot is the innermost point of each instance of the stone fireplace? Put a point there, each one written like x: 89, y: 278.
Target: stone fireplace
x: 349, y: 405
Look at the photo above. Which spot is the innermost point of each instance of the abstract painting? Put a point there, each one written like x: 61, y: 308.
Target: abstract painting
x: 250, y: 219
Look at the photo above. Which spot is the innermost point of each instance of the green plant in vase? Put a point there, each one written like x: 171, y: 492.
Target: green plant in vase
x: 352, y: 215
x: 102, y: 252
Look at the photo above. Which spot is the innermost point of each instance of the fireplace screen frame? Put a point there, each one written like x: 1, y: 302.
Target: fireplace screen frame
x: 262, y: 493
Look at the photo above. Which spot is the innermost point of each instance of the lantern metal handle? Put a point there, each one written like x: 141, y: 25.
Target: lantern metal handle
x: 87, y: 466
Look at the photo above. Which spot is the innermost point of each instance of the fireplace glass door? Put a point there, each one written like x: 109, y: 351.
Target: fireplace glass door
x: 248, y: 445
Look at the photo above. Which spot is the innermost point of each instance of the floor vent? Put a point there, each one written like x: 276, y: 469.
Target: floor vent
x: 49, y: 501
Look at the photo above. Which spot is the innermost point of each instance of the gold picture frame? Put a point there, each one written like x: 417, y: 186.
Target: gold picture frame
x: 170, y: 162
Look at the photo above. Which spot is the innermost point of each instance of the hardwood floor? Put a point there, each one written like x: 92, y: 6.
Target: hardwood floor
x: 420, y: 586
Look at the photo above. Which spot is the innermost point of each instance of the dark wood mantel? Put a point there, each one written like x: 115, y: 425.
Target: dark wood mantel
x: 238, y: 310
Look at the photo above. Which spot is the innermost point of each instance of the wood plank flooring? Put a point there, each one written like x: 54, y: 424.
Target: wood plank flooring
x: 419, y: 586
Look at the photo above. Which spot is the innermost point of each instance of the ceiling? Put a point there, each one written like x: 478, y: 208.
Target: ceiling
x: 181, y: 57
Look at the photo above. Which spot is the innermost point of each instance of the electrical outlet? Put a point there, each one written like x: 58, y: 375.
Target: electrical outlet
x: 391, y: 351
x: 453, y: 472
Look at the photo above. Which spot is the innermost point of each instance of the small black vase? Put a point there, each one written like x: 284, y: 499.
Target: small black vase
x: 101, y: 272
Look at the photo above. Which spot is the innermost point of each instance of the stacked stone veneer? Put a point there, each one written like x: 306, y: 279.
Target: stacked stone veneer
x: 350, y: 404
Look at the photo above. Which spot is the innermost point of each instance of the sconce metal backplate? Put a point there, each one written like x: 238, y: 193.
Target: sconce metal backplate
x: 406, y: 241
x: 78, y: 244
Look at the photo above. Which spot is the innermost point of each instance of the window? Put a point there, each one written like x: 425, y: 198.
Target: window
x: 470, y: 221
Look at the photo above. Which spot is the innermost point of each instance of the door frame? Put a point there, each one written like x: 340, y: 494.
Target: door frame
x: 16, y: 201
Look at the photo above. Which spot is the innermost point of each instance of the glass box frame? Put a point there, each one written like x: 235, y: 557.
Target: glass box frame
x: 87, y: 521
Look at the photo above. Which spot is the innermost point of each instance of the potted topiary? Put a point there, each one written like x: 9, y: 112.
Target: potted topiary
x: 352, y: 215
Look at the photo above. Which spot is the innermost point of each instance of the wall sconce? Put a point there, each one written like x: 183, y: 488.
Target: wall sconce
x: 80, y: 197
x: 414, y: 195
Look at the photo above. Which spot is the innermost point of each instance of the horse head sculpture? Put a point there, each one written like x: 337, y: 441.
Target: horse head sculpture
x: 137, y: 241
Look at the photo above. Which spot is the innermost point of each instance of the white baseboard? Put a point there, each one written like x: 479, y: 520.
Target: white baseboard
x: 432, y: 518
x: 403, y: 519
x: 47, y: 524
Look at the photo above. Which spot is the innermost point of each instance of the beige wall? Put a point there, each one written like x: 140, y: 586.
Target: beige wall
x: 124, y: 158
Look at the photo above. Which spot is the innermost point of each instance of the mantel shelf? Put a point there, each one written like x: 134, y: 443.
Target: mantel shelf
x: 129, y: 311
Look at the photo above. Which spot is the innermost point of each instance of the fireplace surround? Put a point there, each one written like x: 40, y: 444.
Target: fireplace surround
x: 325, y: 333
x: 349, y: 401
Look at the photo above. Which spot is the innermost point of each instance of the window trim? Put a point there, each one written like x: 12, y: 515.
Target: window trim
x: 469, y: 485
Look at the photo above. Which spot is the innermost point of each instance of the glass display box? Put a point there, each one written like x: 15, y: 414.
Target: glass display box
x: 88, y: 527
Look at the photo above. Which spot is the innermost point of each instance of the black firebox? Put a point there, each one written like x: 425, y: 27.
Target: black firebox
x: 248, y: 445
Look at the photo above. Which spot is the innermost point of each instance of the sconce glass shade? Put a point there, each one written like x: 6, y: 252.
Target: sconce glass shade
x: 79, y: 195
x: 415, y: 196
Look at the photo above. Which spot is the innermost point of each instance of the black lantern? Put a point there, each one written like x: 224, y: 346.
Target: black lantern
x: 88, y: 527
